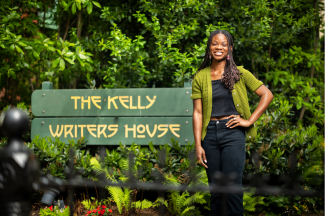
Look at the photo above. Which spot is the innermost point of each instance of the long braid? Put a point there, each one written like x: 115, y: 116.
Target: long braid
x: 231, y: 74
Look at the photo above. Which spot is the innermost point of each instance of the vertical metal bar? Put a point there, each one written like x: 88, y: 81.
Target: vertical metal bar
x: 131, y: 179
x: 161, y: 163
x: 224, y: 204
x: 70, y: 177
x: 161, y: 210
x: 292, y: 178
x: 101, y: 177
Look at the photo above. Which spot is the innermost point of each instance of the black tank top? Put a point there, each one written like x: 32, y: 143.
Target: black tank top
x: 222, y: 100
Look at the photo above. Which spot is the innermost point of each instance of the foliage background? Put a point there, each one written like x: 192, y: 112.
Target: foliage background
x: 148, y: 44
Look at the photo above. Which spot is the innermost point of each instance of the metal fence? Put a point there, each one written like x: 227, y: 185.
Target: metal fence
x: 19, y: 176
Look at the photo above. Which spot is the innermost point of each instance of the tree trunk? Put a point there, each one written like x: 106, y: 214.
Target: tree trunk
x: 36, y: 81
x: 79, y: 26
x: 312, y: 70
x: 270, y: 46
x: 67, y: 28
x: 31, y: 84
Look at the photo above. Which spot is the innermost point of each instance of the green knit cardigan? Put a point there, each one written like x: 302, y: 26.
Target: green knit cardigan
x: 202, y: 88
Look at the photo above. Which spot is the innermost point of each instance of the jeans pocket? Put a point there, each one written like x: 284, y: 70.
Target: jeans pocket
x: 210, y: 127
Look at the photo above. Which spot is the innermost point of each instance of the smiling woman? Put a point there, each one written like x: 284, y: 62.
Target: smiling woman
x: 221, y: 116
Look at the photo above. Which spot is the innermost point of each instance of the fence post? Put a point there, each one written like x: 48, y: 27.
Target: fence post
x: 47, y: 85
x: 18, y: 167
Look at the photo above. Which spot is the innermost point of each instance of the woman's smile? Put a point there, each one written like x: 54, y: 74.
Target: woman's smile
x: 218, y: 53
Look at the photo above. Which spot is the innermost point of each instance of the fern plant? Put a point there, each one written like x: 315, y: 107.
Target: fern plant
x: 182, y: 203
x: 87, y: 204
x: 122, y: 197
x: 144, y: 204
x: 91, y: 205
x: 250, y: 202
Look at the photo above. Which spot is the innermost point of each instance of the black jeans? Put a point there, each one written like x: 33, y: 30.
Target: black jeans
x: 225, y: 152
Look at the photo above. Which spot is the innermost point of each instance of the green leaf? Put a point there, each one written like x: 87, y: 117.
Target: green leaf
x: 82, y: 56
x: 73, y: 8
x: 298, y: 105
x: 311, y: 200
x: 19, y: 50
x: 78, y: 5
x: 69, y: 60
x: 89, y: 8
x: 51, y: 49
x: 96, y: 4
x: 26, y: 64
x: 65, y: 5
x: 81, y: 63
x: 36, y: 55
x: 22, y: 44
x: 68, y: 54
x: 56, y: 62
x: 12, y: 47
x: 18, y: 38
x: 309, y: 64
x: 62, y: 64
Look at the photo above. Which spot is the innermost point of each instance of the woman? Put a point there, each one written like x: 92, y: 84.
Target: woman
x: 221, y: 115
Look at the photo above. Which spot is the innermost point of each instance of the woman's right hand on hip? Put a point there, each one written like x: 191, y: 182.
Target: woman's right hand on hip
x: 200, y: 153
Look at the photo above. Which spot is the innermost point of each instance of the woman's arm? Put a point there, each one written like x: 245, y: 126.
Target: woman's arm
x: 266, y: 98
x: 197, y: 129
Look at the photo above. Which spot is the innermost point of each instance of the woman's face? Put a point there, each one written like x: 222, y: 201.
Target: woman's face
x: 219, y: 47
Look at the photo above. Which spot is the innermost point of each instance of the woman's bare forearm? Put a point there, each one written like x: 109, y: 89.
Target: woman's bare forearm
x: 266, y: 98
x: 197, y: 127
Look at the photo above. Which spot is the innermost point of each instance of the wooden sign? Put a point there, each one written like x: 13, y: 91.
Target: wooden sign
x: 111, y: 116
x: 113, y: 102
x: 110, y: 130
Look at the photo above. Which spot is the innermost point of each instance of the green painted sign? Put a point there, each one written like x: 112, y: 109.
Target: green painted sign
x: 111, y: 116
x: 112, y: 130
x: 112, y: 102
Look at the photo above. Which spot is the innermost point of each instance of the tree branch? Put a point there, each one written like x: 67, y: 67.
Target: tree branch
x: 79, y: 24
x: 312, y: 71
x: 67, y: 27
x: 270, y: 46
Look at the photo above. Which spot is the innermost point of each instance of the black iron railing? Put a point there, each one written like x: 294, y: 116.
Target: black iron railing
x: 19, y: 176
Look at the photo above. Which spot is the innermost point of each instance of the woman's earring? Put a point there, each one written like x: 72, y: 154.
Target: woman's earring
x: 209, y: 56
x: 228, y: 57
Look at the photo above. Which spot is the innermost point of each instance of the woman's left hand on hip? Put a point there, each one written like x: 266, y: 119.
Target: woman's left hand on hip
x: 236, y: 120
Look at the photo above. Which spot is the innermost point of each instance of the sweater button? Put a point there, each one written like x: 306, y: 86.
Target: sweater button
x: 234, y: 93
x: 242, y: 114
x: 249, y: 137
x: 237, y: 104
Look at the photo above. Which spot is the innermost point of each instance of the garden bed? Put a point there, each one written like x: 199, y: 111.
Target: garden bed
x: 153, y: 211
x: 81, y: 211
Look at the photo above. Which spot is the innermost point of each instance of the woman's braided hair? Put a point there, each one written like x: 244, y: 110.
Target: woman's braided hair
x: 231, y: 74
